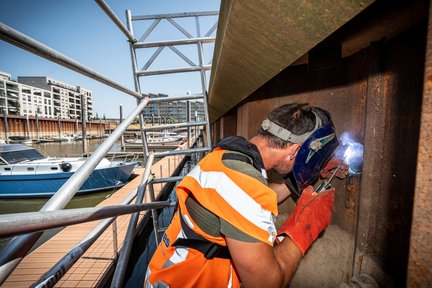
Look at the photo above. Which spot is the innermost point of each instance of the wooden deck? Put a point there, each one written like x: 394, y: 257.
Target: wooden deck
x: 89, y: 269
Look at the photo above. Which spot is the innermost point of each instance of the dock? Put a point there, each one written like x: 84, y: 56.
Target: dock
x: 91, y: 268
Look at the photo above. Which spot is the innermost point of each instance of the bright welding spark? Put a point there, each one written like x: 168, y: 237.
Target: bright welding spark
x: 351, y: 151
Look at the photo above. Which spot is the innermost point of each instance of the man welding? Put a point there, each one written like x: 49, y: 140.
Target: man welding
x: 223, y: 233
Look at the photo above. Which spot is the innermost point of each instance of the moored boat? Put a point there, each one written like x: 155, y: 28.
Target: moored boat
x: 20, y: 139
x: 26, y: 173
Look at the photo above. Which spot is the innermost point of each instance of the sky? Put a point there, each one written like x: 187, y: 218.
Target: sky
x: 81, y: 30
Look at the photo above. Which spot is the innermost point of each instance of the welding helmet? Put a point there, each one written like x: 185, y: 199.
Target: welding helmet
x: 317, y: 147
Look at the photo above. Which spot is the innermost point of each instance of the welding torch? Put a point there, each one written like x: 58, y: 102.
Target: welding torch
x: 326, y: 183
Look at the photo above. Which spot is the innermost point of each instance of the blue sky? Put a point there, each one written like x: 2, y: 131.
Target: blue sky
x: 80, y: 30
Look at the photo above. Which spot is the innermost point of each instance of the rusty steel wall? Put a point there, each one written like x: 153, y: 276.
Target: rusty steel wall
x: 376, y: 95
x: 47, y: 126
x: 420, y: 256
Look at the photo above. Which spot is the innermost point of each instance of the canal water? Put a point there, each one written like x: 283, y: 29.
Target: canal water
x: 61, y: 149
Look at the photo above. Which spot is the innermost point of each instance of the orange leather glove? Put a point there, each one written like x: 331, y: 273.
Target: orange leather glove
x: 311, y: 216
x: 332, y: 164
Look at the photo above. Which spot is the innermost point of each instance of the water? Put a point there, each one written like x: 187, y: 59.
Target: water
x: 73, y: 148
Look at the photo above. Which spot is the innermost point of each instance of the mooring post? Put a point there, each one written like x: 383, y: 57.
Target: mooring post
x: 83, y: 125
x: 59, y: 128
x: 6, y: 126
x: 27, y: 127
x: 37, y: 126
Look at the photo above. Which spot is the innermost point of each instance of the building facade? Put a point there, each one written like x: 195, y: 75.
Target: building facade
x: 43, y: 96
x: 175, y: 111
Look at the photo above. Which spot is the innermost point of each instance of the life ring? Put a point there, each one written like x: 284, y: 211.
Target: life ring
x: 66, y: 166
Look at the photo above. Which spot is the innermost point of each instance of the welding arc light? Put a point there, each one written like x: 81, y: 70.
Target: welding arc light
x: 352, y: 153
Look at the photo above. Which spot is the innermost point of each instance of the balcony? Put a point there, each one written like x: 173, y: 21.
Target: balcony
x: 12, y: 95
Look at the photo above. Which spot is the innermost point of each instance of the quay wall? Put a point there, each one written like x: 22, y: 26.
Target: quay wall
x: 36, y: 127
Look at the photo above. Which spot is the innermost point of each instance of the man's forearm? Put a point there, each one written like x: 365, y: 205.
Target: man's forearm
x: 281, y: 190
x: 288, y: 255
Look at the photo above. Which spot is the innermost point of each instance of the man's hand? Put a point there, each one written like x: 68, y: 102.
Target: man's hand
x: 328, y: 170
x: 311, y: 216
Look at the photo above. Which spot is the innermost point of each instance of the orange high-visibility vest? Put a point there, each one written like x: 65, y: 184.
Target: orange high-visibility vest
x: 239, y: 199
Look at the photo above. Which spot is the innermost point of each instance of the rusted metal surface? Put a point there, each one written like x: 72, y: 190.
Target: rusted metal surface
x: 420, y: 253
x: 391, y: 140
x: 258, y: 38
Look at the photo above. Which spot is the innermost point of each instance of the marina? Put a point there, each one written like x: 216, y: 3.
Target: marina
x: 96, y: 263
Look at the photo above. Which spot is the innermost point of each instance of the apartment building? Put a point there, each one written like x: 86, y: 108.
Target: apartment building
x: 66, y: 98
x: 43, y: 96
x: 175, y: 111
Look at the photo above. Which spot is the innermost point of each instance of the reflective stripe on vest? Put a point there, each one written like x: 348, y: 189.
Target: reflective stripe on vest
x: 179, y: 255
x: 236, y: 198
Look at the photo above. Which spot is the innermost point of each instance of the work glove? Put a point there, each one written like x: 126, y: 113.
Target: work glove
x: 311, y: 216
x: 328, y: 169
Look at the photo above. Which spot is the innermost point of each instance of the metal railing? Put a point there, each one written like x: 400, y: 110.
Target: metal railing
x: 14, y: 251
x: 28, y: 227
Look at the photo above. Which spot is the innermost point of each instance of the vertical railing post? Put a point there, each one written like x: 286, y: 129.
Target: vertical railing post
x: 188, y: 119
x: 122, y: 145
x: 204, y: 89
x: 115, y: 240
x: 154, y: 214
x: 137, y: 84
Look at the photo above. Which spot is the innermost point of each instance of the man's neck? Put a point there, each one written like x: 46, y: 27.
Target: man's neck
x: 267, y: 153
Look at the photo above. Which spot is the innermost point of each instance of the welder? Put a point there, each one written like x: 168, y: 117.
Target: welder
x: 223, y: 232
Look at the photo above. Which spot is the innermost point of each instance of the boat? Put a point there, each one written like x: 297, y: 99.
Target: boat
x: 159, y: 138
x: 64, y: 138
x: 26, y: 173
x: 20, y: 139
x: 45, y: 140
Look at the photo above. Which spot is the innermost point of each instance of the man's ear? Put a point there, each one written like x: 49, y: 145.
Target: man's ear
x: 295, y: 149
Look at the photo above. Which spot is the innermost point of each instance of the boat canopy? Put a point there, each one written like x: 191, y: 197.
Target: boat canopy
x: 15, y: 153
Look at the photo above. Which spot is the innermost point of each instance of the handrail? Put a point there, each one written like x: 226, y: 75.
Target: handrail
x: 181, y: 152
x: 14, y: 251
x: 175, y: 125
x: 18, y: 39
x: 20, y: 223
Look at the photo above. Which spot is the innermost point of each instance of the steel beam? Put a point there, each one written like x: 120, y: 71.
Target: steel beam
x: 116, y: 20
x: 175, y: 15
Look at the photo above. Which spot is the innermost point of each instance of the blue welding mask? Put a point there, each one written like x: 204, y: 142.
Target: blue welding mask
x: 317, y: 147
